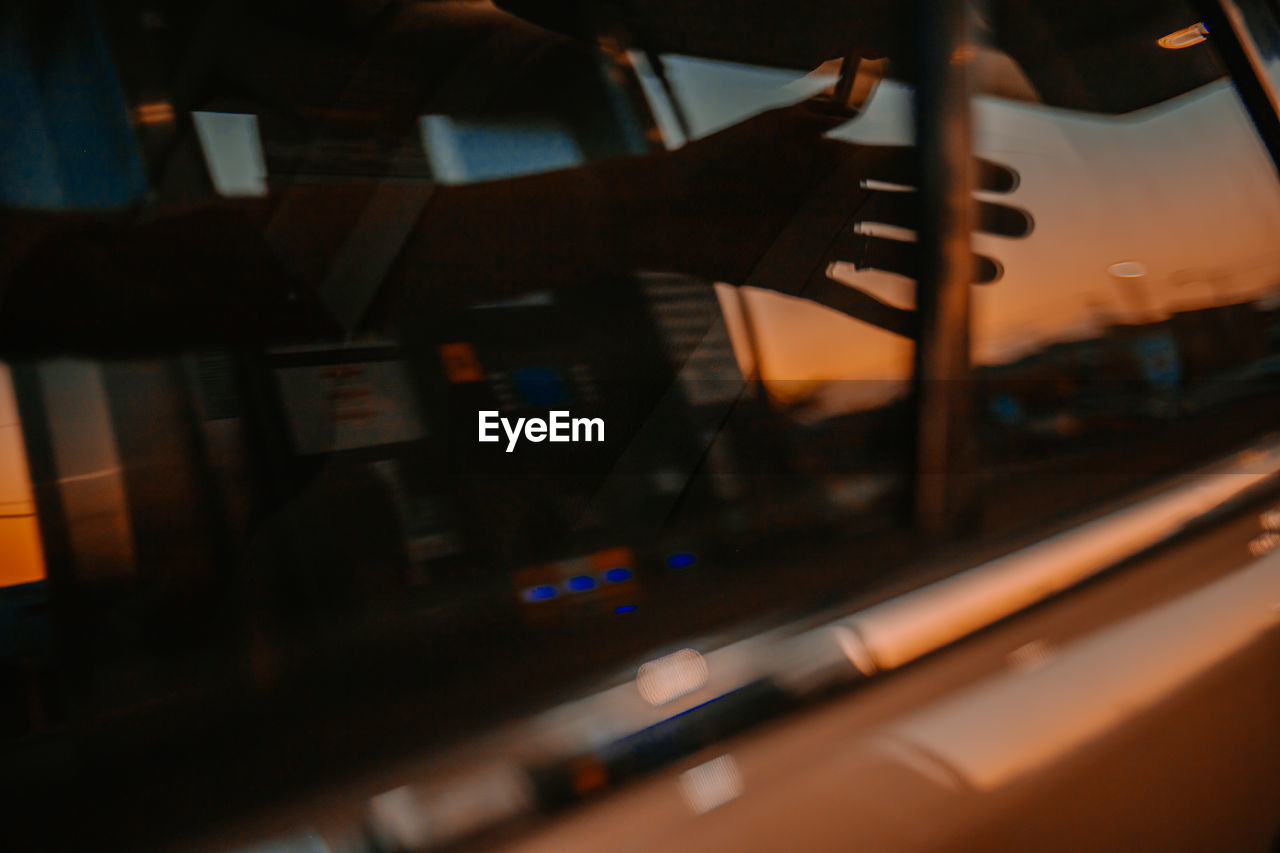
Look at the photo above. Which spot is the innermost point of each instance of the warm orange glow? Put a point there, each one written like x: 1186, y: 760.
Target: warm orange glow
x: 1185, y: 37
x: 460, y: 362
x: 589, y: 775
x: 159, y: 112
x: 21, y: 559
x: 610, y: 557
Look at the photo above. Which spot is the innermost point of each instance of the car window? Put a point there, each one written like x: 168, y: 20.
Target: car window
x: 1131, y: 334
x: 422, y: 364
x: 431, y: 340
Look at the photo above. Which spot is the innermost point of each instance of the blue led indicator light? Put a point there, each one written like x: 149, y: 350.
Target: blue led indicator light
x: 625, y: 608
x: 618, y: 575
x: 539, y: 593
x: 580, y: 583
x: 680, y: 560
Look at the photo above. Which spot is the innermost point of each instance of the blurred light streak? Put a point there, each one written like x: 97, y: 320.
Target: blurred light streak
x: 672, y: 676
x: 916, y: 623
x: 1185, y: 37
x: 712, y: 784
x: 1024, y: 720
x: 159, y: 112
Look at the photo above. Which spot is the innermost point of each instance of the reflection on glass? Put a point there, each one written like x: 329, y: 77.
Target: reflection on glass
x: 1134, y: 331
x: 668, y: 678
x: 711, y: 784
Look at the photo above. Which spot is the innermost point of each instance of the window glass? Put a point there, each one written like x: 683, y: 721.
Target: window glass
x: 396, y: 368
x: 445, y: 353
x: 1132, y: 333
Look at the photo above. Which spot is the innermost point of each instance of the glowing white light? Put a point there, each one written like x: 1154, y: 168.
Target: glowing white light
x: 712, y: 784
x: 672, y: 676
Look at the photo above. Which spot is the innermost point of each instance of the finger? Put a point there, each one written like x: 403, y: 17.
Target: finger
x: 902, y: 209
x: 900, y: 257
x: 995, y: 177
x: 898, y: 164
x: 1004, y: 220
